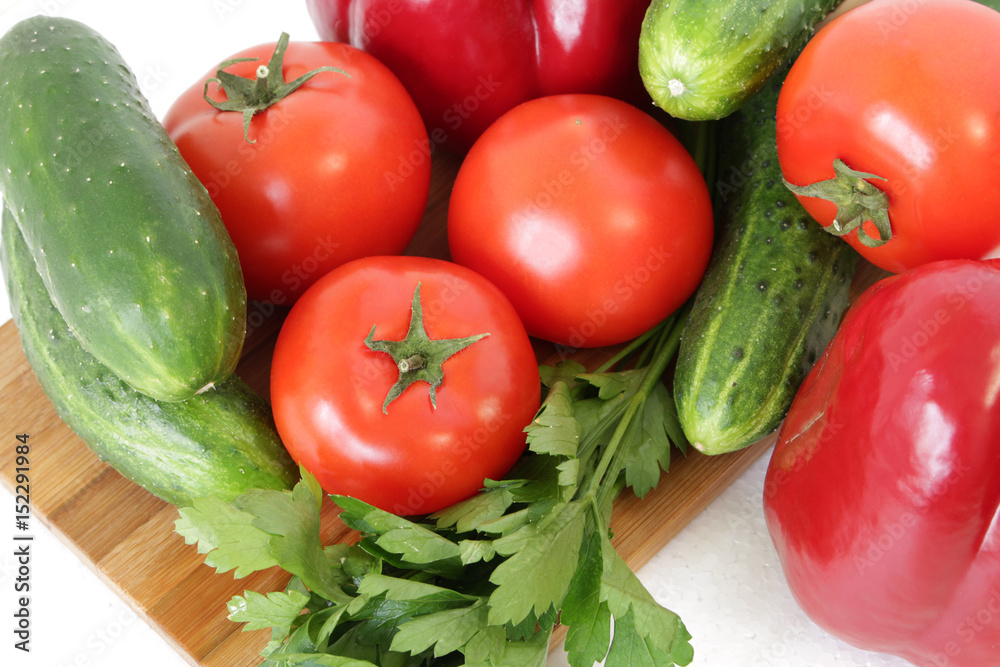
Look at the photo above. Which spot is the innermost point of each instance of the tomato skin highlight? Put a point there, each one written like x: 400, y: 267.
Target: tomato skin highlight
x: 339, y: 169
x: 906, y: 91
x: 328, y: 388
x: 587, y: 213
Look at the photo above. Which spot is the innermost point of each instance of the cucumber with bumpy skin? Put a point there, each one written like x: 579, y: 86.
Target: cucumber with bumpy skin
x: 701, y: 60
x: 219, y: 443
x: 772, y: 297
x: 131, y: 247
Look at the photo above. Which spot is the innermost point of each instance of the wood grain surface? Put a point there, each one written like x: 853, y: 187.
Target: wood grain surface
x: 126, y: 535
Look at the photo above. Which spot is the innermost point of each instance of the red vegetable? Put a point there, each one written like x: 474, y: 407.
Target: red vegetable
x: 466, y: 62
x: 882, y: 495
x: 903, y: 93
x: 328, y: 172
x: 408, y: 428
x: 589, y: 215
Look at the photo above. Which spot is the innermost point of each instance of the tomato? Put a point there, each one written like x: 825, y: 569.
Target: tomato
x: 337, y: 169
x: 345, y: 410
x: 589, y: 214
x: 905, y: 95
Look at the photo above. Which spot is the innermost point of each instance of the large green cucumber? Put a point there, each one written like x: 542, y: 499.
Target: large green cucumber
x: 131, y: 247
x: 771, y: 299
x: 219, y: 443
x: 701, y: 60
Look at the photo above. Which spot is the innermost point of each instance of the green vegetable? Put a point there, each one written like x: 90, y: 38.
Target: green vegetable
x: 131, y: 248
x: 484, y: 581
x: 702, y: 60
x: 771, y: 299
x: 219, y: 443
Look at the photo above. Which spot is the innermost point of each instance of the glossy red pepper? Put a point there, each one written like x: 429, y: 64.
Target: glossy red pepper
x: 466, y: 62
x: 883, y: 489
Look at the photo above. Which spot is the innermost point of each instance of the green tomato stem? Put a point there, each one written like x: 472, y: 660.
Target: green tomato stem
x: 251, y: 96
x: 857, y: 201
x: 417, y: 356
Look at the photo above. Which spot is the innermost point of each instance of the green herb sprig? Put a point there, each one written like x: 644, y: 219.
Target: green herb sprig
x: 483, y: 582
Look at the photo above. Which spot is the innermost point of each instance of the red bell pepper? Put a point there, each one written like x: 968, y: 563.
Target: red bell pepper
x: 882, y: 492
x: 466, y: 62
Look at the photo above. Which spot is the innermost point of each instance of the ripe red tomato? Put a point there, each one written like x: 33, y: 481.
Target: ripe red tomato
x: 905, y: 91
x: 426, y: 448
x: 587, y: 213
x: 339, y: 169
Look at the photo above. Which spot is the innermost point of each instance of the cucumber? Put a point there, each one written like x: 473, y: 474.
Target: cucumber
x: 772, y: 297
x: 217, y: 444
x: 132, y: 249
x: 702, y: 60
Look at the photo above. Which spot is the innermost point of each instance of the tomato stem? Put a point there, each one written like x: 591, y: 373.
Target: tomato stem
x: 857, y: 201
x: 250, y: 96
x: 412, y: 363
x: 417, y: 356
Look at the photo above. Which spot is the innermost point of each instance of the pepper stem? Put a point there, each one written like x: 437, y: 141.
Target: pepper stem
x: 417, y: 357
x: 250, y: 96
x: 857, y: 201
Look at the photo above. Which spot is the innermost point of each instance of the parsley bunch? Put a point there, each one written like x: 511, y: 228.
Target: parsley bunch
x: 485, y: 581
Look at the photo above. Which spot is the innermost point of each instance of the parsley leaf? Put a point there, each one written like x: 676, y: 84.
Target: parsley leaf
x: 446, y: 631
x: 625, y: 595
x: 275, y: 609
x: 586, y: 615
x: 293, y: 522
x: 485, y: 581
x: 541, y: 563
x: 554, y: 430
x: 467, y: 515
x: 226, y: 535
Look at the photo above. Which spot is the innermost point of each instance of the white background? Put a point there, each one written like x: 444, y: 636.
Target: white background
x: 720, y: 574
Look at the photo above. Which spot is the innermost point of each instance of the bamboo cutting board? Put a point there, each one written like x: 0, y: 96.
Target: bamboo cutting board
x: 126, y: 535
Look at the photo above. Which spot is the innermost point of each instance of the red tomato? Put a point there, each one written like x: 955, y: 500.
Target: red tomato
x: 906, y: 91
x: 587, y: 213
x: 340, y: 168
x: 330, y: 389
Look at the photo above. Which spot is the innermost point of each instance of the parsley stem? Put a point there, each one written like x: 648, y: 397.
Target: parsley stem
x: 611, y: 454
x: 634, y: 345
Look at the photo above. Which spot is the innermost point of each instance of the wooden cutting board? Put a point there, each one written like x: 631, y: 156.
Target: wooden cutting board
x: 126, y: 535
